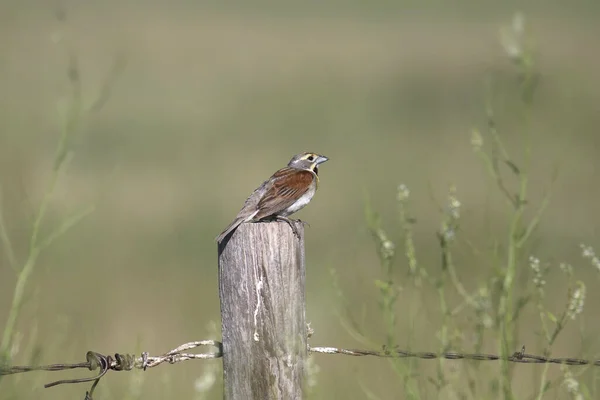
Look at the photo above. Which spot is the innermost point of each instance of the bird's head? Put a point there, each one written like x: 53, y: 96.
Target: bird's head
x: 307, y: 161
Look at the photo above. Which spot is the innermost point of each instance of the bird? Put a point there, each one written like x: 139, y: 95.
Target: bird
x: 288, y: 190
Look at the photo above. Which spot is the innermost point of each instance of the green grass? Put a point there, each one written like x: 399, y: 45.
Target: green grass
x: 509, y: 291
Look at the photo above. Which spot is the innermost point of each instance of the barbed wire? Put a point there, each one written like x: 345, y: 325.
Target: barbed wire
x: 127, y: 362
x: 517, y: 357
x: 120, y: 362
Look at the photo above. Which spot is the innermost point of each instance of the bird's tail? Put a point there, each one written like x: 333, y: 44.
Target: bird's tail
x: 236, y: 222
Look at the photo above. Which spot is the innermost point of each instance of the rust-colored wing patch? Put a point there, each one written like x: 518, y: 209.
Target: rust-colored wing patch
x: 288, y: 185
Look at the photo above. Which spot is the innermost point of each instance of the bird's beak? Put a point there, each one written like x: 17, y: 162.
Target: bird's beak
x: 321, y: 160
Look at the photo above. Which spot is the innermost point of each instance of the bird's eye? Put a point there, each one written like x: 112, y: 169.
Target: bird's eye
x: 310, y: 158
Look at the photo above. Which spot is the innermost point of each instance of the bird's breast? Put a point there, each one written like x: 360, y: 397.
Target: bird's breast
x: 303, y: 200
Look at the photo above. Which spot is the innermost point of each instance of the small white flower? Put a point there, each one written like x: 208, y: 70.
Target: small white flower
x: 449, y: 234
x: 403, y: 192
x: 488, y: 322
x: 512, y: 37
x: 483, y: 299
x: 572, y: 385
x: 388, y: 249
x: 576, y: 301
x: 205, y: 382
x: 452, y: 215
x: 588, y: 253
x: 538, y: 272
x: 518, y: 23
x: 454, y: 207
x: 476, y: 140
x: 566, y: 268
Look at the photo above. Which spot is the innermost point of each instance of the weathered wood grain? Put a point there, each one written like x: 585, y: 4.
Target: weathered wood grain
x: 261, y: 287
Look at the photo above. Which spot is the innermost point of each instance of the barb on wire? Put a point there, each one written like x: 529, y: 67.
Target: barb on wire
x: 120, y: 362
x: 127, y: 362
x: 517, y: 357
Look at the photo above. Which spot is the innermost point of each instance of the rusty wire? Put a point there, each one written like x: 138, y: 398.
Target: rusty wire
x: 120, y: 362
x: 127, y: 362
x: 517, y: 357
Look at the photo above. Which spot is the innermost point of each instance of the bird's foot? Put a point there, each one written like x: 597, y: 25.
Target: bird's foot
x: 291, y: 224
x: 304, y: 223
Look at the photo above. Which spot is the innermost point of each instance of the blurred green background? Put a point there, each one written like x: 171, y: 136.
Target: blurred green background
x: 209, y: 99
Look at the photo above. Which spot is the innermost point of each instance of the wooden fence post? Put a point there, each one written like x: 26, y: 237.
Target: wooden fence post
x: 261, y: 288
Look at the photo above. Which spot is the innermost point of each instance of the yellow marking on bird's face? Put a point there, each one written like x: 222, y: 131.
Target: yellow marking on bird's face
x: 309, y: 157
x: 312, y: 157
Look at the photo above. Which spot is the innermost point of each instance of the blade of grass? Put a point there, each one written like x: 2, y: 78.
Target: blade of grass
x: 6, y: 242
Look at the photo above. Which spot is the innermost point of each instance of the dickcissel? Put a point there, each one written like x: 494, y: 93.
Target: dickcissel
x: 285, y: 192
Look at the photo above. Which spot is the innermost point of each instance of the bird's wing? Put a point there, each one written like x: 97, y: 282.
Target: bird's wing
x: 285, y: 187
x: 248, y: 211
